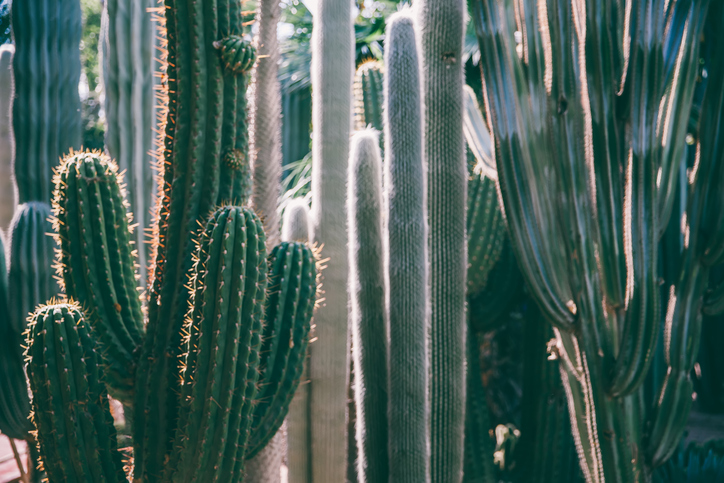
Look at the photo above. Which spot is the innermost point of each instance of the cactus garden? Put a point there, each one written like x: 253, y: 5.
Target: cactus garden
x: 356, y: 241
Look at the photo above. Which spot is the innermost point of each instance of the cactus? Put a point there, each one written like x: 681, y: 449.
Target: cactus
x: 368, y: 95
x: 407, y: 259
x: 332, y: 64
x: 7, y: 141
x: 127, y: 43
x: 76, y: 436
x: 586, y: 237
x: 46, y: 107
x: 441, y: 36
x: 368, y: 314
x: 96, y: 263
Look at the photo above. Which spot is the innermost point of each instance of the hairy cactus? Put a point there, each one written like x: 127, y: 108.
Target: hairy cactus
x: 127, y: 43
x: 96, y: 262
x: 407, y: 264
x: 368, y: 95
x: 46, y: 107
x: 441, y: 35
x: 7, y: 141
x: 368, y: 315
x: 76, y: 436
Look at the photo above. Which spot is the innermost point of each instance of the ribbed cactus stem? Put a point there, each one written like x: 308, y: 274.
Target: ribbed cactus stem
x: 407, y: 265
x: 7, y: 140
x: 76, y: 436
x: 221, y: 364
x: 31, y: 275
x: 441, y: 37
x: 296, y: 221
x: 332, y: 70
x: 46, y: 107
x: 127, y: 42
x: 96, y: 262
x: 368, y: 316
x: 368, y: 95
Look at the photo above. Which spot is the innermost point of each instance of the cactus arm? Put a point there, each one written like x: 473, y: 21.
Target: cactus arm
x: 70, y: 404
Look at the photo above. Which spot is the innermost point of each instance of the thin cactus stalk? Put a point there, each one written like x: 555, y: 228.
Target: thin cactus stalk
x: 7, y: 141
x: 368, y: 95
x: 441, y: 25
x: 407, y: 258
x: 587, y: 237
x: 127, y: 43
x: 332, y: 71
x: 368, y: 314
x: 96, y: 263
x: 76, y: 436
x: 46, y: 106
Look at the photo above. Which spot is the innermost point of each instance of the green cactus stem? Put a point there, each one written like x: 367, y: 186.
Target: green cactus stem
x: 46, y: 107
x: 76, y: 436
x: 96, y: 263
x: 7, y: 140
x: 368, y: 95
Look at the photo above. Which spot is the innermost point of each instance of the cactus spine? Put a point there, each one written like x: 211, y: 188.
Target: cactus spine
x: 368, y: 314
x: 332, y: 70
x: 76, y: 436
x: 407, y: 259
x: 7, y: 141
x: 127, y: 42
x: 441, y: 35
x: 46, y: 107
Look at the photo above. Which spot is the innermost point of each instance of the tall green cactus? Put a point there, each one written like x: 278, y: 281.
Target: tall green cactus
x: 7, y: 141
x: 46, y: 107
x: 76, y: 436
x: 577, y: 118
x: 441, y: 37
x: 332, y: 70
x: 368, y: 314
x: 127, y: 43
x: 407, y: 259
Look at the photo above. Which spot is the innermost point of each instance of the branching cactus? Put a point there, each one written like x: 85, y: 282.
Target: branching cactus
x: 589, y: 125
x: 46, y: 107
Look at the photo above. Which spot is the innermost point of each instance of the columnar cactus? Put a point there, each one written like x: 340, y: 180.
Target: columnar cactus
x: 332, y: 70
x: 407, y: 259
x: 7, y: 141
x: 46, y: 107
x: 70, y: 403
x: 368, y: 316
x: 441, y: 37
x: 127, y: 43
x: 368, y: 95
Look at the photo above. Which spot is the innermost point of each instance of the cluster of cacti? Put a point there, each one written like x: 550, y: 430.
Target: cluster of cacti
x: 587, y: 182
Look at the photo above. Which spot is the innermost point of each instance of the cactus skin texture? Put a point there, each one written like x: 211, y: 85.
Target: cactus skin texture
x: 587, y: 241
x: 288, y: 316
x: 332, y: 71
x: 368, y: 95
x: 407, y: 264
x: 221, y: 363
x: 441, y: 26
x: 46, y: 108
x: 368, y: 314
x: 31, y: 280
x: 7, y: 141
x: 76, y: 436
x: 96, y: 262
x: 14, y: 402
x: 127, y: 43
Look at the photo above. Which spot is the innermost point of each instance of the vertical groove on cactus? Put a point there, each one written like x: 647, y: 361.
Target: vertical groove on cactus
x: 407, y: 259
x: 368, y: 95
x: 96, y: 263
x: 221, y: 364
x: 267, y: 155
x: 332, y: 71
x: 46, y: 108
x: 7, y: 140
x: 127, y: 42
x: 76, y: 436
x: 203, y: 125
x: 368, y: 314
x: 441, y: 37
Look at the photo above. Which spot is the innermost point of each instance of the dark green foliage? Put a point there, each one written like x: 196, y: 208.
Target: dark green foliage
x: 76, y: 436
x: 696, y: 463
x: 96, y: 262
x: 287, y: 321
x: 46, y: 110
